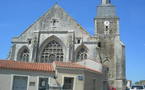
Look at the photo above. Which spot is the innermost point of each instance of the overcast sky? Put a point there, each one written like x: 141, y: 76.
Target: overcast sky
x: 17, y: 15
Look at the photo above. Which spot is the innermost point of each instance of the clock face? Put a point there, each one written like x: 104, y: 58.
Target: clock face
x: 106, y: 23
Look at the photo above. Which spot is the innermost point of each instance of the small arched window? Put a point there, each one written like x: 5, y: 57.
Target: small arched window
x: 81, y: 54
x: 52, y: 52
x: 24, y: 55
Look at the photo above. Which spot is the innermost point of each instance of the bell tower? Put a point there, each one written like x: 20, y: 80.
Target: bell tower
x: 106, y: 2
x: 111, y: 48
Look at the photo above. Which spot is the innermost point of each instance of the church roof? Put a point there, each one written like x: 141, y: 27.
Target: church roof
x: 106, y: 10
x: 44, y: 67
x: 43, y: 23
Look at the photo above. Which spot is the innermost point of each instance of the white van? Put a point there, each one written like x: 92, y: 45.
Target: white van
x: 137, y: 87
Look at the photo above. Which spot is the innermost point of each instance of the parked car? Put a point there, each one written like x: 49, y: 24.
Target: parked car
x: 137, y: 87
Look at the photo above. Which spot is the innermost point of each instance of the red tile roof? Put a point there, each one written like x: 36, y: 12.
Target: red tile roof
x: 68, y: 65
x: 15, y: 65
x: 74, y: 65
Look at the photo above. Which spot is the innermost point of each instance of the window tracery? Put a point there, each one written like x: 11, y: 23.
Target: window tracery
x: 24, y: 55
x: 81, y: 54
x: 52, y: 52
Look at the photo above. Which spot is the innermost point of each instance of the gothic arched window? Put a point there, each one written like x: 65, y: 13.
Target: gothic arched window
x: 24, y: 55
x: 81, y: 54
x: 52, y: 52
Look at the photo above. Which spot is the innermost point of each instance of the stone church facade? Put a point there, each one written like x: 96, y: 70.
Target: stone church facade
x: 58, y: 37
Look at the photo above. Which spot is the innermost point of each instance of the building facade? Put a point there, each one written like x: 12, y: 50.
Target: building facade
x: 15, y: 75
x: 58, y: 37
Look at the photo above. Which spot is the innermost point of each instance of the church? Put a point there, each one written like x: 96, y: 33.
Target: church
x: 57, y: 53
